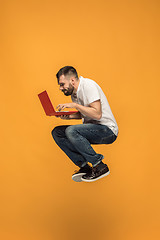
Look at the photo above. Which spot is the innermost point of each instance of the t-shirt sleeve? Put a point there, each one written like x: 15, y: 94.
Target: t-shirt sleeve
x: 91, y: 92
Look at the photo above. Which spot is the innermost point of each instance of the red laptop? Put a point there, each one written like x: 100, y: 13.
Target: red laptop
x: 48, y: 107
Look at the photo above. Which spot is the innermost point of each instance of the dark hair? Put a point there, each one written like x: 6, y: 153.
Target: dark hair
x: 67, y: 70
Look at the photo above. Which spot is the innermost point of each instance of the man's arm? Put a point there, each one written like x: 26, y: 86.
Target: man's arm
x: 75, y: 116
x: 93, y: 111
x: 71, y: 116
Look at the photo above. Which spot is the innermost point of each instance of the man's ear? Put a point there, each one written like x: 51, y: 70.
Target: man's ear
x: 72, y: 81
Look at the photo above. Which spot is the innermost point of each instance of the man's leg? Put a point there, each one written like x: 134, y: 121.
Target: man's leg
x: 76, y: 140
x: 83, y: 135
x: 58, y: 134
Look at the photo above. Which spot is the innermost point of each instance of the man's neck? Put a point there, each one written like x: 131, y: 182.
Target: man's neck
x: 76, y: 86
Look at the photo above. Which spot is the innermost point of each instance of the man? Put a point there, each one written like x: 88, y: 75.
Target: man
x: 99, y: 125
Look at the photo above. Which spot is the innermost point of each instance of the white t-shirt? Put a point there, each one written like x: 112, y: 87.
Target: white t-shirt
x: 89, y: 91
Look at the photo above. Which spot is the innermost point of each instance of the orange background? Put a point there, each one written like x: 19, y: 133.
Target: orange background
x: 115, y: 43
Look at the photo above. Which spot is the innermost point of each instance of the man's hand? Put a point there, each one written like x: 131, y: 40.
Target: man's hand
x: 66, y: 105
x: 71, y: 116
x: 64, y: 116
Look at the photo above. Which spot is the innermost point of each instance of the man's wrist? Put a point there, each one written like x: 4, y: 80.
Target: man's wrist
x: 75, y: 105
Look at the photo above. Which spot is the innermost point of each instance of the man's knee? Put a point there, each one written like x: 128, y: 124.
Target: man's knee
x: 59, y: 131
x: 70, y: 131
x: 54, y: 130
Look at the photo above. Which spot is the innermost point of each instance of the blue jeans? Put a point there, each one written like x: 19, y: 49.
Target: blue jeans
x: 76, y: 140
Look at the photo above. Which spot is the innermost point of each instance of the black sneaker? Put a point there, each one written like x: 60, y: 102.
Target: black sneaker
x: 96, y: 173
x: 82, y: 171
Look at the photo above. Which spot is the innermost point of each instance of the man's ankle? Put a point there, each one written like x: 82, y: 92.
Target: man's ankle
x: 84, y: 165
x: 99, y: 164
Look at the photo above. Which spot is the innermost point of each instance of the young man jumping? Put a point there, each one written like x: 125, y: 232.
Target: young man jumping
x: 99, y: 125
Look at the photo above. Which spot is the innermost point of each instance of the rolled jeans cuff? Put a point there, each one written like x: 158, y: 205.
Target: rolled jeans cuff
x: 98, y: 162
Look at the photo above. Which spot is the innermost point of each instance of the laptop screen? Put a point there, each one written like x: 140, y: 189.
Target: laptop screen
x: 46, y: 103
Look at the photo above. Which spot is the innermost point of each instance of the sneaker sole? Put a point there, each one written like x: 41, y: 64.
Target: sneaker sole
x: 95, y: 179
x: 78, y: 177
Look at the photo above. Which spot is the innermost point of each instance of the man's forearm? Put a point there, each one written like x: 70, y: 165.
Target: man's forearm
x: 88, y: 111
x: 75, y: 116
x: 93, y: 111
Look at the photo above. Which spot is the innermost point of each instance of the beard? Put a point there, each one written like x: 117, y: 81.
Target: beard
x: 68, y: 91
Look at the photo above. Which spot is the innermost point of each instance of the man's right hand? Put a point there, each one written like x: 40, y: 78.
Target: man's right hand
x: 71, y: 116
x: 66, y: 117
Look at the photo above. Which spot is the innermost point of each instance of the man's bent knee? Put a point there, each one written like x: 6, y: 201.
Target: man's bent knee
x: 70, y: 130
x: 53, y: 132
x: 59, y: 131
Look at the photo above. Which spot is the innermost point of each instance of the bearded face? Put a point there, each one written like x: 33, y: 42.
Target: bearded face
x: 67, y: 84
x: 68, y: 90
